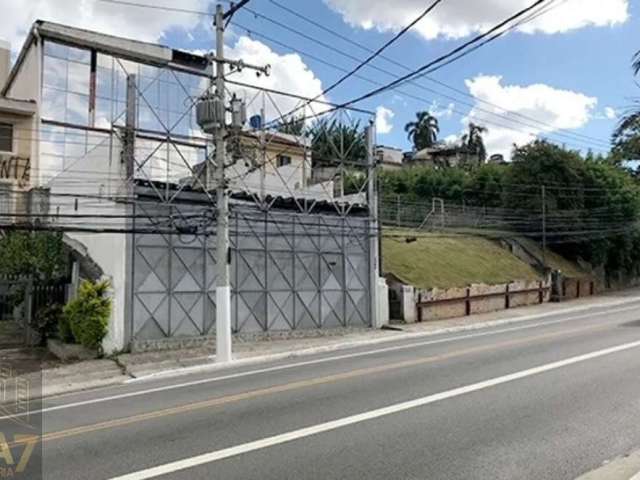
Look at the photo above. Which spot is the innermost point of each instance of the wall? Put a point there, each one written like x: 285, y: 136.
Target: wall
x: 98, y: 173
x: 26, y: 86
x: 289, y: 272
x: 457, y: 305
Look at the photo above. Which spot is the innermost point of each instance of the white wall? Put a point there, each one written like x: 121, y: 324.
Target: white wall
x: 26, y: 86
x: 98, y: 174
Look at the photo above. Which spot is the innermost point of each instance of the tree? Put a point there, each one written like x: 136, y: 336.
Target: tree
x: 41, y: 254
x: 293, y: 125
x: 473, y: 142
x: 333, y: 142
x: 423, y: 132
x: 626, y: 136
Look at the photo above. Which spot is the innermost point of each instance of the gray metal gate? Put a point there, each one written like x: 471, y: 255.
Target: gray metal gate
x: 289, y: 271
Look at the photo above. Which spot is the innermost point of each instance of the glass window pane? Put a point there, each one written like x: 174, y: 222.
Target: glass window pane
x: 54, y: 104
x: 77, y: 109
x: 6, y: 137
x: 78, y: 80
x: 55, y: 73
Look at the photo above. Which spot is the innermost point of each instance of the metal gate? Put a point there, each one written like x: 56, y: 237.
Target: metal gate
x: 289, y: 271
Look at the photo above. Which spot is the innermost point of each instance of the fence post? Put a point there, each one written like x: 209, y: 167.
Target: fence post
x: 75, y: 279
x: 467, y: 303
x: 541, y: 292
x: 507, y: 300
x: 419, y: 307
x: 578, y: 288
x: 28, y: 310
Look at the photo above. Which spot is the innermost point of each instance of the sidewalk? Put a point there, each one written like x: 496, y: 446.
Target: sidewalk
x: 626, y: 467
x: 145, y: 365
x: 64, y: 378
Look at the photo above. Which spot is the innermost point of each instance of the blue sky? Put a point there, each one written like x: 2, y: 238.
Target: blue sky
x: 582, y: 71
x: 593, y: 61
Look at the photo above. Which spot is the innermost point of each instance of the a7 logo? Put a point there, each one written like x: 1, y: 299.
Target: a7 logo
x: 29, y: 441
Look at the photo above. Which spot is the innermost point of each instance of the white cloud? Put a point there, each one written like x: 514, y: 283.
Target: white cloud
x: 442, y: 111
x: 610, y: 113
x: 131, y: 22
x: 288, y: 73
x: 460, y: 18
x: 546, y: 109
x: 384, y: 120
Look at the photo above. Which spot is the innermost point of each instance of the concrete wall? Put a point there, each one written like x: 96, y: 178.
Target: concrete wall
x: 457, y: 307
x: 26, y: 86
x: 577, y: 288
x: 108, y: 250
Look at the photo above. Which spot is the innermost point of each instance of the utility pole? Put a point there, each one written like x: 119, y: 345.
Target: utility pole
x: 374, y: 247
x: 544, y: 227
x: 212, y: 117
x: 223, y: 280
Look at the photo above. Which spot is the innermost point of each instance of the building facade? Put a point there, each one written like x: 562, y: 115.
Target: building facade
x: 116, y: 144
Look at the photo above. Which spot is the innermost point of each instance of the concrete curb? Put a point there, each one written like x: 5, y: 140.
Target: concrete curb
x: 240, y: 362
x: 621, y: 468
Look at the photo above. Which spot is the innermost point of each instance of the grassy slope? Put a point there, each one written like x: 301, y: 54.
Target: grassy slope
x: 434, y: 261
x: 554, y: 261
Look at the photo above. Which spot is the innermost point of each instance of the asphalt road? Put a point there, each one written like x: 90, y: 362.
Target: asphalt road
x: 544, y: 399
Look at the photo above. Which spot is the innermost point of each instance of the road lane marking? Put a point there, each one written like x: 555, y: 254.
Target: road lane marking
x: 306, y: 363
x: 293, y: 435
x: 219, y: 401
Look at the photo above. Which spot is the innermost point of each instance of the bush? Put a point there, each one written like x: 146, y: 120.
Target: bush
x: 88, y: 314
x: 46, y: 321
x: 64, y: 329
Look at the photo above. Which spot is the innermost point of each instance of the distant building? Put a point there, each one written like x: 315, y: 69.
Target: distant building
x: 17, y: 148
x: 497, y: 159
x: 390, y: 158
x: 443, y: 155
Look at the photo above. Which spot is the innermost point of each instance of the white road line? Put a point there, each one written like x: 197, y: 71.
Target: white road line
x: 289, y: 366
x: 362, y: 417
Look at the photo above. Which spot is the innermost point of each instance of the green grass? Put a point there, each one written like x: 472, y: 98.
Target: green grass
x: 436, y: 261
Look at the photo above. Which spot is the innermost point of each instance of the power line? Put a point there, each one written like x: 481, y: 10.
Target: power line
x: 374, y: 54
x: 431, y: 66
x: 280, y: 24
x: 405, y: 67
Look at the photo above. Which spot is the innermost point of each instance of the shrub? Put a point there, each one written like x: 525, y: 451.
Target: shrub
x: 88, y: 314
x: 64, y: 329
x: 46, y: 321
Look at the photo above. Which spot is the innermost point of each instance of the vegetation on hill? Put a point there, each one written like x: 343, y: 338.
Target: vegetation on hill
x: 456, y: 261
x: 592, y: 206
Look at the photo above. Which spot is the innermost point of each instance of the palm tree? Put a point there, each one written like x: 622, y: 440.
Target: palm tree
x: 473, y: 141
x: 424, y: 131
x: 626, y: 136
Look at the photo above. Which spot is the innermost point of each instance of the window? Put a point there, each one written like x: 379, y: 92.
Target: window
x: 6, y: 137
x: 283, y: 160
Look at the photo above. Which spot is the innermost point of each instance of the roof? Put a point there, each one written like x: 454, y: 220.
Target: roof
x: 135, y: 50
x: 146, y: 189
x: 17, y: 107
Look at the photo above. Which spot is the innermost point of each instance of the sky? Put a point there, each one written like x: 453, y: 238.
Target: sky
x: 565, y: 75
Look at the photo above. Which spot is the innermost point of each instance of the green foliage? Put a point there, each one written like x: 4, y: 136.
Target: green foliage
x: 88, y: 314
x: 46, y: 321
x: 64, y: 329
x: 423, y: 132
x: 41, y: 254
x: 626, y: 136
x: 292, y: 126
x: 473, y: 142
x: 334, y: 141
x: 598, y: 196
